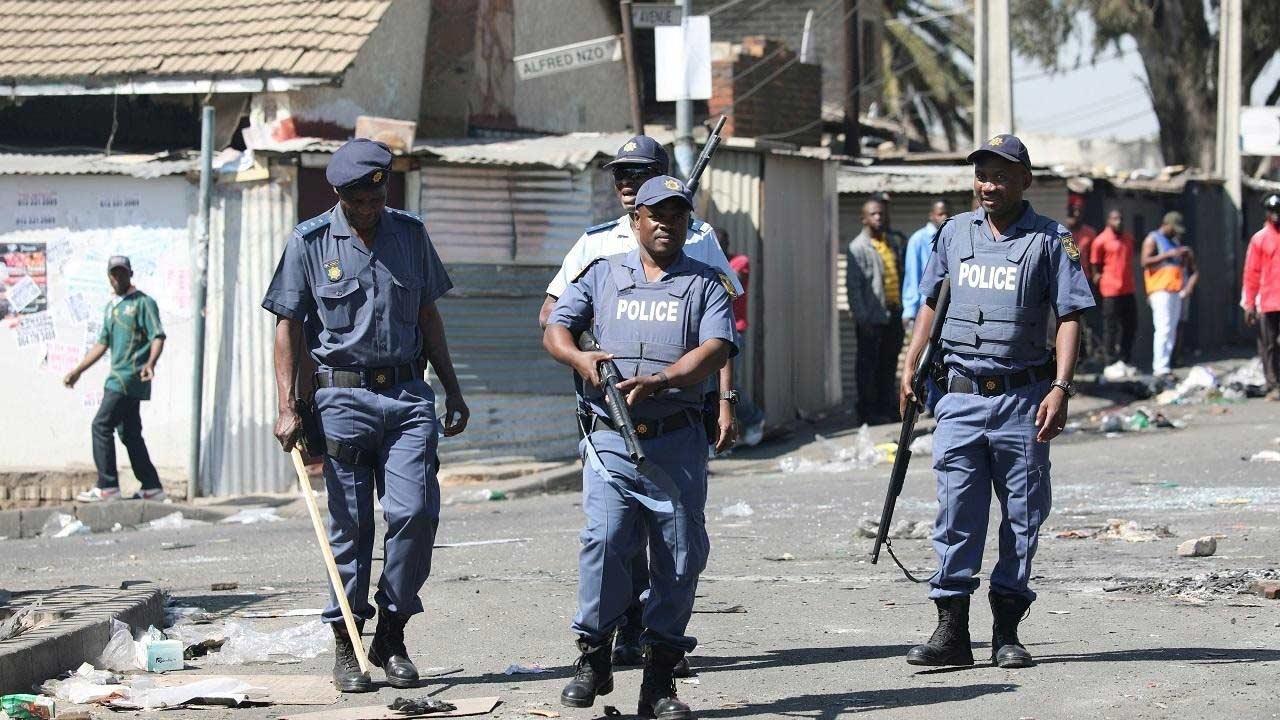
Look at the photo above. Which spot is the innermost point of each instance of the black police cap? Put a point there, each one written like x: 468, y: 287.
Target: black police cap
x: 359, y: 162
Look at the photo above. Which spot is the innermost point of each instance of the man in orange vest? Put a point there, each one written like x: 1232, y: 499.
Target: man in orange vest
x: 1170, y: 274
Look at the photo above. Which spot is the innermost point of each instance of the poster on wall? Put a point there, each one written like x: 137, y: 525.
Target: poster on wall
x: 24, y: 280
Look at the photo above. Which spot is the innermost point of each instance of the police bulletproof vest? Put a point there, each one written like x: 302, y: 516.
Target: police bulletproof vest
x: 999, y: 292
x: 649, y: 325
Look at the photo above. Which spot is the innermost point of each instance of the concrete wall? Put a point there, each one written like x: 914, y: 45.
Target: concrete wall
x: 386, y: 78
x: 80, y: 221
x: 590, y: 99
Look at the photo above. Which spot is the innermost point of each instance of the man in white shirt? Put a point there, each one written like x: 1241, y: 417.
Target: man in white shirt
x: 638, y: 160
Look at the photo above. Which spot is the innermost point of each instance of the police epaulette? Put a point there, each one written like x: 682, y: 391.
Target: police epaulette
x: 602, y: 227
x: 307, y: 227
x: 406, y: 216
x: 588, y: 267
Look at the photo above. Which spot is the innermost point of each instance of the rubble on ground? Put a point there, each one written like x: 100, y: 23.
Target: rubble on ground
x: 1216, y: 584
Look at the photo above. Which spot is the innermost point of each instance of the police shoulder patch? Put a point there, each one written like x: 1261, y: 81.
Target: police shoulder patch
x: 313, y: 225
x: 728, y: 285
x: 584, y: 270
x: 602, y: 227
x: 1069, y: 246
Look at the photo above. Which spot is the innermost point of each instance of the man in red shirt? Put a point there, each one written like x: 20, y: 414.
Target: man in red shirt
x: 1111, y: 268
x: 1261, y: 295
x: 751, y: 416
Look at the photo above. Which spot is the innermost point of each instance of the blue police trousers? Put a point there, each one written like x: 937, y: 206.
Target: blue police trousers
x: 398, y: 427
x: 624, y: 506
x: 984, y: 444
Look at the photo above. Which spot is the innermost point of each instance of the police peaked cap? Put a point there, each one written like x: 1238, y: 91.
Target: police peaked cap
x: 359, y: 162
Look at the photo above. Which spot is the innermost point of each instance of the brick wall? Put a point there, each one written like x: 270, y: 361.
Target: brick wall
x: 787, y: 107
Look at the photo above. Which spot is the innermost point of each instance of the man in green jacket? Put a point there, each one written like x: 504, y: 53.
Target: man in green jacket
x: 131, y: 331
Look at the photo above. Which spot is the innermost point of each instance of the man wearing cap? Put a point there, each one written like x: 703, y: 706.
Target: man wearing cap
x: 1170, y: 276
x: 1005, y: 395
x: 131, y: 330
x: 664, y: 318
x: 357, y: 287
x: 637, y: 161
x: 1260, y: 297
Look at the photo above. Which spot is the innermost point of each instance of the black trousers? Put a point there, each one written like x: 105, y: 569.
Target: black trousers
x: 1269, y: 347
x: 119, y: 412
x: 877, y: 369
x: 1119, y: 327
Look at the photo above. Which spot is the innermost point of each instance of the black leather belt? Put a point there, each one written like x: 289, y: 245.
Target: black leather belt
x: 992, y: 385
x: 647, y: 428
x: 368, y: 378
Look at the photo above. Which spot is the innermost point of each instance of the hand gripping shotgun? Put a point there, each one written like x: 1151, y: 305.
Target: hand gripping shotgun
x: 919, y: 386
x: 619, y: 413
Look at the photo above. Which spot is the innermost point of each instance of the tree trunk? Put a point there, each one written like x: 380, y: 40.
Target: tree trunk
x: 1180, y: 57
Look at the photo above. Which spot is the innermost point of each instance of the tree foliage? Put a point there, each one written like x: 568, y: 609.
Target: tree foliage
x: 1178, y: 43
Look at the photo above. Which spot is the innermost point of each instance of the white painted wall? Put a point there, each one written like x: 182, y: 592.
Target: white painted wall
x: 44, y: 425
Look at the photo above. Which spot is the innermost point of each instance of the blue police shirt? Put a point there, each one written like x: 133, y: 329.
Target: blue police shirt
x: 358, y: 305
x: 1068, y: 288
x: 575, y: 309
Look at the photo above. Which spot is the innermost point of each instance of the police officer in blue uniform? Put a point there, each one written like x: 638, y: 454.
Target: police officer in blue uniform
x: 1006, y: 394
x: 666, y: 322
x: 357, y: 286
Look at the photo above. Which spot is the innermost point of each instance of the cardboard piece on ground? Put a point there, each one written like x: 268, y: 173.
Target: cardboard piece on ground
x: 280, y: 689
x: 466, y: 706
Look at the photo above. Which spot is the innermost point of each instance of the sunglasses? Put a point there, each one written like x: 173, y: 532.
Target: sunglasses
x: 635, y: 173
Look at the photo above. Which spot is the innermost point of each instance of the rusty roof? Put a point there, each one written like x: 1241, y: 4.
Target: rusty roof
x: 97, y: 42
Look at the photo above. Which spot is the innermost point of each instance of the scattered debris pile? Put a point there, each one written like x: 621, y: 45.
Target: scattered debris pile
x: 1117, y: 529
x: 1205, y: 586
x: 901, y: 530
x: 833, y: 457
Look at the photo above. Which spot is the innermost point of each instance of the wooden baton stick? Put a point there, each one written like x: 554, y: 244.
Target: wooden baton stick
x: 304, y: 482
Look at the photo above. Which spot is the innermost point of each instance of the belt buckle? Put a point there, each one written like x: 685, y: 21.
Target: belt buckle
x: 646, y: 429
x: 379, y: 378
x: 990, y: 386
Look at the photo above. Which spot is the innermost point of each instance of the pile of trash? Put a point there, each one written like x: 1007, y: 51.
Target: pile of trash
x: 1141, y: 419
x: 1219, y: 583
x: 20, y: 621
x: 1119, y: 371
x: 139, y: 692
x: 901, y: 530
x: 1117, y: 529
x: 836, y: 458
x: 1202, y: 385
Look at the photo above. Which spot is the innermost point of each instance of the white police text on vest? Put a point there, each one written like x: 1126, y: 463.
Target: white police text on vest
x: 649, y: 310
x: 989, y: 278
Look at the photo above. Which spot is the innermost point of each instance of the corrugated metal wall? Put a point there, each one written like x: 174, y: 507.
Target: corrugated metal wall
x: 730, y: 198
x: 798, y: 275
x: 251, y: 223
x: 486, y: 214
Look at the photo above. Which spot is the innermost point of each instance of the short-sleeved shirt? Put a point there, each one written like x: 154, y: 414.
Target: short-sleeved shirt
x: 358, y: 305
x: 575, y: 310
x: 1068, y: 289
x: 616, y: 237
x: 129, y: 325
x: 1112, y: 255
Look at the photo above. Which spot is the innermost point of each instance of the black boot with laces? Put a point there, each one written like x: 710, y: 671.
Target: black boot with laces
x: 658, y: 688
x: 1006, y: 650
x: 389, y: 653
x: 950, y: 643
x: 347, y: 676
x: 594, y: 676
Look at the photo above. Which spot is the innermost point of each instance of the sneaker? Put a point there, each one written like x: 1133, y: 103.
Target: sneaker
x: 156, y: 494
x: 98, y: 494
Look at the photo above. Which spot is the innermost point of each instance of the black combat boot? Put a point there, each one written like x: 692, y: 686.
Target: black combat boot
x: 347, y: 676
x: 626, y: 644
x: 949, y: 644
x: 594, y: 676
x: 387, y: 650
x: 1006, y: 650
x: 658, y: 688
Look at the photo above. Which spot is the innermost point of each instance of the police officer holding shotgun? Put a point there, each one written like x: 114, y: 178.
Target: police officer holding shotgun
x: 1006, y: 394
x: 665, y: 321
x: 357, y: 286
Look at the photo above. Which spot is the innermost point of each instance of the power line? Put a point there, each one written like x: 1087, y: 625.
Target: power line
x: 1114, y: 123
x: 1046, y: 73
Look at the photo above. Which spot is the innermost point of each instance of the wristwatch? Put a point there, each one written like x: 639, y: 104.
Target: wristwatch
x: 730, y: 397
x: 1067, y: 387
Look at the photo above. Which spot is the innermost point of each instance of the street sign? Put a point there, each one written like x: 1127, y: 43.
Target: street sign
x: 648, y: 15
x: 569, y: 57
x: 1260, y: 130
x: 683, y: 69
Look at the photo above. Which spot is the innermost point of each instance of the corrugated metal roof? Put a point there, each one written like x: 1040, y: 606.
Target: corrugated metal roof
x: 83, y: 41
x: 139, y: 166
x: 905, y: 178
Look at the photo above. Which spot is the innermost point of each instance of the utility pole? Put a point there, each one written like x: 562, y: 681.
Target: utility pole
x: 852, y: 78
x: 1230, y: 89
x: 993, y: 70
x: 685, y: 153
x: 633, y: 76
x: 201, y: 262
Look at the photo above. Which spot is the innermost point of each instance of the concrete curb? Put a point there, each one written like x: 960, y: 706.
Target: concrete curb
x: 78, y: 636
x: 564, y: 478
x: 99, y: 517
